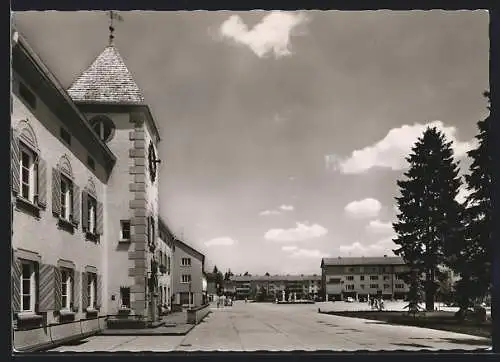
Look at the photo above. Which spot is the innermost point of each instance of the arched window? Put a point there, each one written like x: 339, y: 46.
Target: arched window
x: 92, y: 212
x: 27, y: 167
x: 65, y: 193
x: 103, y: 127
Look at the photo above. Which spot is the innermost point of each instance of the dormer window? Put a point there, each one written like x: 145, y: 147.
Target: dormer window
x: 103, y: 127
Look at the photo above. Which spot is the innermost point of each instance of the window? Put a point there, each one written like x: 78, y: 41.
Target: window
x: 27, y: 95
x: 66, y: 198
x: 125, y: 297
x: 186, y: 278
x: 186, y: 261
x: 349, y: 277
x: 27, y: 173
x: 361, y: 277
x: 125, y: 230
x: 349, y: 287
x: 151, y: 230
x: 373, y: 277
x: 92, y: 218
x: 91, y: 162
x: 168, y: 264
x: 66, y: 289
x: 28, y: 287
x: 399, y: 277
x: 66, y: 137
x: 399, y: 286
x: 374, y: 286
x: 362, y: 286
x: 104, y: 127
x: 91, y: 290
x: 386, y: 286
x: 386, y: 277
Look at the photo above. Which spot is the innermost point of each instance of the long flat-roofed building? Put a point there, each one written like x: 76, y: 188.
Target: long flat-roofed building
x: 249, y: 286
x: 360, y: 277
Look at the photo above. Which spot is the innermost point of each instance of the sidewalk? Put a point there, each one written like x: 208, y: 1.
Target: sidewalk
x: 175, y: 325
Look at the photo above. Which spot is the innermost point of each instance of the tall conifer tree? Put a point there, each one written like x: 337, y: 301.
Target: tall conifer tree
x: 429, y: 215
x: 473, y: 260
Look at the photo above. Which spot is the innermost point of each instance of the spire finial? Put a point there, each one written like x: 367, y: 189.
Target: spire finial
x: 113, y: 15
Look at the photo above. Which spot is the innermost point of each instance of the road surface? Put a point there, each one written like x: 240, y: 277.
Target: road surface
x: 271, y: 327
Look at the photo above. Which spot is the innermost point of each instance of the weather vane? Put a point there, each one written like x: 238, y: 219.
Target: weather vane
x: 113, y: 15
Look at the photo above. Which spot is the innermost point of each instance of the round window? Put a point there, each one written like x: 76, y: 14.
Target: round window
x: 104, y: 127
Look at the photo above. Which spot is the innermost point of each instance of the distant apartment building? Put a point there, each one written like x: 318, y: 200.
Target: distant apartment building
x: 250, y: 286
x: 361, y: 277
x: 187, y: 277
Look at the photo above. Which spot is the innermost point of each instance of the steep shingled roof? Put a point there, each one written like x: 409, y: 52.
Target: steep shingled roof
x: 382, y: 260
x: 107, y: 80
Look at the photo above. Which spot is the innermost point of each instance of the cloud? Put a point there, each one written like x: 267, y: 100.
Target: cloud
x: 303, y: 253
x: 380, y: 227
x: 390, y: 152
x: 301, y: 232
x: 364, y: 208
x: 276, y: 212
x: 308, y: 253
x: 269, y: 213
x: 221, y: 241
x: 271, y: 35
x: 380, y: 248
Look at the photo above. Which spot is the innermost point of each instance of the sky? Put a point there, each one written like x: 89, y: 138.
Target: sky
x: 283, y: 133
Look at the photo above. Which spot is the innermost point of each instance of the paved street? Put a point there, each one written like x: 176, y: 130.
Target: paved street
x: 253, y: 326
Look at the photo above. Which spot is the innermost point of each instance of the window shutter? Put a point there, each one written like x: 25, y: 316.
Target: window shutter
x: 99, y: 291
x: 99, y: 219
x: 76, y: 290
x: 85, y: 292
x: 57, y: 289
x: 14, y: 162
x: 85, y: 211
x: 46, y: 297
x: 16, y: 285
x: 42, y: 183
x: 76, y: 204
x: 56, y: 192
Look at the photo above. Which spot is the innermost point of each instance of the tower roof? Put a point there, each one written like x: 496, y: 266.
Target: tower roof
x: 107, y: 80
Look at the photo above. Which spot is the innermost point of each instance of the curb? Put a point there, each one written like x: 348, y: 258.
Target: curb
x: 109, y: 332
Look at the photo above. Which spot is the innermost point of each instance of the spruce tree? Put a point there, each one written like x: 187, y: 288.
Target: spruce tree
x: 473, y: 262
x: 429, y: 217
